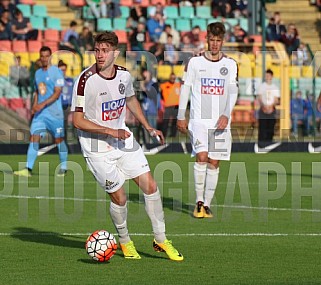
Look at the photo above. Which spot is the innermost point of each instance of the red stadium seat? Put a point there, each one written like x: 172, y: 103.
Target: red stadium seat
x: 52, y: 45
x: 27, y: 2
x: 145, y: 3
x: 4, y: 102
x: 128, y: 3
x: 154, y: 2
x: 34, y: 46
x: 122, y: 36
x: 77, y: 3
x: 52, y: 35
x: 19, y: 46
x: 5, y: 45
x: 16, y: 103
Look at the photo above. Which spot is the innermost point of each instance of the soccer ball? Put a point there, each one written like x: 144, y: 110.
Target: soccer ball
x: 101, y: 245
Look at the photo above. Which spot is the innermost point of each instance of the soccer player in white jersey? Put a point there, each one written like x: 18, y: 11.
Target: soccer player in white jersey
x: 211, y: 79
x: 100, y: 96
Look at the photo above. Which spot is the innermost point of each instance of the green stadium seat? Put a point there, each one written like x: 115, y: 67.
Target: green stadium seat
x: 183, y: 25
x: 199, y: 22
x: 104, y: 24
x: 170, y: 22
x: 186, y: 12
x: 37, y: 23
x: 124, y: 11
x: 171, y: 12
x: 40, y: 11
x: 54, y: 23
x: 25, y: 9
x: 203, y: 12
x: 86, y: 13
x: 120, y: 24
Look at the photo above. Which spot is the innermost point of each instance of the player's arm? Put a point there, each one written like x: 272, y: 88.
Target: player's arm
x: 50, y: 100
x: 183, y: 101
x: 232, y: 93
x: 81, y: 123
x: 134, y: 106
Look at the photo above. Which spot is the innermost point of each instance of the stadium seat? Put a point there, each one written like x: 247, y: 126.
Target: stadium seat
x: 25, y: 60
x: 52, y: 35
x: 171, y: 12
x: 52, y: 45
x: 203, y: 12
x: 40, y: 11
x: 183, y: 25
x: 144, y: 3
x: 120, y: 24
x: 128, y: 3
x: 77, y: 3
x: 25, y: 9
x: 295, y: 71
x: 4, y: 102
x: 307, y: 71
x: 37, y: 23
x: 124, y: 11
x: 154, y: 2
x: 163, y: 71
x: 104, y: 24
x: 86, y: 13
x: 122, y: 36
x: 89, y: 59
x: 186, y: 12
x: 179, y: 70
x: 5, y: 45
x: 34, y: 46
x: 199, y: 22
x: 19, y: 46
x: 170, y: 22
x: 27, y: 2
x: 53, y: 23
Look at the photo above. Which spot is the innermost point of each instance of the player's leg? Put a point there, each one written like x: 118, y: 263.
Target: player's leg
x: 154, y: 209
x: 111, y: 180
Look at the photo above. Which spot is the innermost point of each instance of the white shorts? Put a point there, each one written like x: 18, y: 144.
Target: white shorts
x: 112, y: 169
x: 204, y: 139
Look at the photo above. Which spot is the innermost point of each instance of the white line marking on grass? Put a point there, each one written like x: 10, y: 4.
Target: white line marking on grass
x: 176, y: 235
x: 141, y: 202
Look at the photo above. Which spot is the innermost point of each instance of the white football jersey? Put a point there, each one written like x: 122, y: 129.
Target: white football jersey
x: 103, y: 101
x: 268, y: 93
x: 214, y: 87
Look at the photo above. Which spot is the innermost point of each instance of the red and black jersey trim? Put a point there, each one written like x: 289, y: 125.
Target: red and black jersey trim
x: 83, y: 78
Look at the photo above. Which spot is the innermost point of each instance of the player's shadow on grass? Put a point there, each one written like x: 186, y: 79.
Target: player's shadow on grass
x: 290, y: 174
x: 169, y: 203
x: 50, y: 238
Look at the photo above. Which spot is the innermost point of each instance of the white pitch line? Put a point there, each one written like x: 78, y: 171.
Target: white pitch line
x: 141, y: 202
x: 176, y: 235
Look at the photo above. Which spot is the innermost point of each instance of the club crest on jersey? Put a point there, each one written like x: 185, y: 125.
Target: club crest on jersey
x: 212, y: 86
x: 224, y: 71
x: 112, y: 110
x: 121, y: 88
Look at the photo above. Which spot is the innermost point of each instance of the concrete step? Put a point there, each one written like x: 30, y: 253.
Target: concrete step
x: 51, y: 3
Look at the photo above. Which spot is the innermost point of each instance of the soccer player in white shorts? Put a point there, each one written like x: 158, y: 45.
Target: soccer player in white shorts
x: 212, y: 80
x: 100, y: 97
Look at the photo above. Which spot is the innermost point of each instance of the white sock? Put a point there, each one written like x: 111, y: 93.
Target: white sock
x: 211, y: 183
x: 199, y: 180
x: 154, y: 209
x: 119, y: 217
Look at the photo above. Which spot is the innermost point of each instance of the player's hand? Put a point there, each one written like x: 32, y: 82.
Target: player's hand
x: 182, y: 126
x: 157, y: 134
x: 37, y: 108
x: 222, y: 123
x: 120, y: 134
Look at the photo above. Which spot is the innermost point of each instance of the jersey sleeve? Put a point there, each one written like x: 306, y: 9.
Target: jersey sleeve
x: 129, y: 90
x: 78, y: 100
x: 58, y: 77
x: 233, y: 88
x: 188, y: 76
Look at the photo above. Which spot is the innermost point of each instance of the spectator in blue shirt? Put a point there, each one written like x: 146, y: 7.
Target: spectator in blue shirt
x: 155, y: 26
x: 297, y: 112
x: 308, y: 115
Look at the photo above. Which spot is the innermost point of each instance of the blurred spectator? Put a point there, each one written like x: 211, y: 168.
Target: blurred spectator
x: 279, y: 29
x: 20, y: 76
x: 186, y: 44
x: 98, y: 12
x: 301, y: 55
x: 221, y: 8
x: 158, y: 50
x: 137, y: 37
x: 21, y: 27
x: 158, y: 8
x: 297, y: 112
x: 155, y: 26
x: 239, y: 8
x: 170, y: 91
x: 35, y: 65
x: 71, y: 40
x: 195, y: 36
x: 171, y: 55
x: 137, y: 14
x: 6, y: 5
x: 308, y: 115
x: 318, y: 114
x: 5, y: 26
x: 66, y: 96
x: 238, y: 35
x: 86, y: 40
x: 113, y: 8
x: 168, y: 30
x: 291, y: 39
x: 150, y: 99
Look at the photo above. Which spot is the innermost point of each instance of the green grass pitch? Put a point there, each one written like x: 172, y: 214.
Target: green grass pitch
x: 266, y: 229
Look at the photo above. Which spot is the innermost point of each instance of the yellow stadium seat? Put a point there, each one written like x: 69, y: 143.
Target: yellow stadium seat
x: 25, y: 60
x: 33, y: 56
x: 179, y: 70
x: 163, y: 72
x: 89, y: 59
x: 307, y: 71
x: 276, y: 70
x: 295, y: 71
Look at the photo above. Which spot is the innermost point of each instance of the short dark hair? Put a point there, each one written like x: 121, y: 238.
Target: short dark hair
x: 107, y: 37
x: 61, y: 63
x: 73, y: 24
x: 45, y: 48
x: 269, y: 71
x: 216, y: 29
